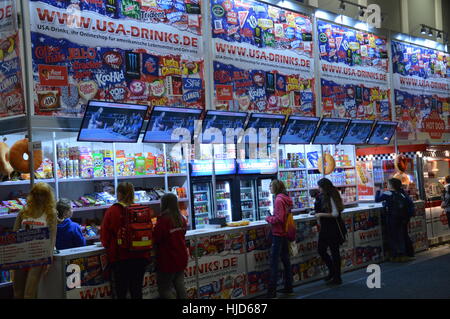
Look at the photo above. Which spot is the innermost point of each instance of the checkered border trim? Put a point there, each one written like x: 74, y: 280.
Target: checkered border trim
x: 384, y: 157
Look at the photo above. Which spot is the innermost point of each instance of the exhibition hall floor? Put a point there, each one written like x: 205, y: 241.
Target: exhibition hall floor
x: 427, y: 277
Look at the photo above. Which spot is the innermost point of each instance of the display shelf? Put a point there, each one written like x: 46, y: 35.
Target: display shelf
x: 296, y: 189
x: 177, y: 175
x: 291, y: 169
x: 96, y: 179
x: 267, y: 207
x: 246, y: 188
x: 200, y: 202
x: 90, y: 208
x: 5, y: 284
x: 300, y: 209
x: 246, y: 200
x: 198, y: 192
x: 344, y: 167
x: 8, y: 216
x: 26, y: 182
x: 223, y: 199
x: 140, y: 176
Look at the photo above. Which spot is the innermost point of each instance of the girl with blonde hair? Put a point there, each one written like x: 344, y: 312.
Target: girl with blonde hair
x: 39, y: 212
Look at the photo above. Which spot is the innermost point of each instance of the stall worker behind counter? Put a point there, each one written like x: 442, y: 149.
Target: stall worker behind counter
x: 69, y: 234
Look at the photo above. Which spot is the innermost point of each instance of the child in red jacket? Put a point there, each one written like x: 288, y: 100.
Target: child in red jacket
x: 171, y: 252
x: 128, y: 268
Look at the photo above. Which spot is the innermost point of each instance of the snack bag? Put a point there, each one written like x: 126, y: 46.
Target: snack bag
x: 98, y: 164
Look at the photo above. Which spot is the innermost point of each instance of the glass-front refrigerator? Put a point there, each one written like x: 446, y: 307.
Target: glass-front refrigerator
x: 265, y: 197
x: 202, y: 203
x: 223, y: 200
x: 248, y: 199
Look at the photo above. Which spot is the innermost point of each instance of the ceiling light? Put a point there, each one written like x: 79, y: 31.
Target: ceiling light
x: 439, y: 35
x: 430, y: 33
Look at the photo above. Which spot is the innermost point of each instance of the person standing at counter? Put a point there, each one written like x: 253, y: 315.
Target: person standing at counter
x: 446, y: 199
x: 332, y: 233
x: 127, y: 267
x: 280, y: 245
x: 39, y: 212
x: 171, y: 251
x: 69, y: 233
x: 400, y: 208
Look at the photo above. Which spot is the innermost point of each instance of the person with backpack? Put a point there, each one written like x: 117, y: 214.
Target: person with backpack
x: 400, y: 208
x: 446, y: 199
x: 332, y: 234
x: 280, y: 242
x: 126, y: 234
x: 171, y: 250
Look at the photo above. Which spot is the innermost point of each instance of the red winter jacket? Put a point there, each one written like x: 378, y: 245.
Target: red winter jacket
x: 171, y: 251
x: 111, y: 224
x: 283, y: 205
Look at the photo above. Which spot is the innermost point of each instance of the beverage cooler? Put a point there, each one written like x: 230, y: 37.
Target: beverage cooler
x: 202, y: 191
x: 254, y: 178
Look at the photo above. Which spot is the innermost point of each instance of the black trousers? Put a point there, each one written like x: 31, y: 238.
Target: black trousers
x: 409, y: 248
x: 333, y: 262
x: 128, y: 276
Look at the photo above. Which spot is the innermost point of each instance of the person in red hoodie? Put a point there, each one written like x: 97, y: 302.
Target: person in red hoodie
x: 280, y: 244
x: 171, y: 252
x: 128, y: 268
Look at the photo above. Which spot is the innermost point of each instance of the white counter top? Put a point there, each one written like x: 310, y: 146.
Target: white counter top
x: 212, y: 231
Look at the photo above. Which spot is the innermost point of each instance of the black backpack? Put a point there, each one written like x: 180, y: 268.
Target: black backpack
x: 400, y: 205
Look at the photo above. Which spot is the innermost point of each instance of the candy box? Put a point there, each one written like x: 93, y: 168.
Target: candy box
x: 150, y: 164
x: 139, y: 164
x: 108, y: 163
x: 98, y: 164
x: 120, y: 158
x: 129, y: 168
x: 160, y: 164
x: 86, y: 166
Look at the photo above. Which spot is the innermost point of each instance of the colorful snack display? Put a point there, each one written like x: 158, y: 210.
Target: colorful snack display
x: 98, y: 164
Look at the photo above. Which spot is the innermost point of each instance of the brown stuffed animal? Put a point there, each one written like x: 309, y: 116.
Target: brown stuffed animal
x: 17, y: 161
x: 5, y: 167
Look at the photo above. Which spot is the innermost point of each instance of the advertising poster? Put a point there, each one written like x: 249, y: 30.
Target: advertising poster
x: 354, y: 73
x: 94, y: 281
x: 417, y: 228
x: 367, y: 237
x: 142, y: 52
x: 422, y: 92
x: 258, y: 254
x: 221, y: 266
x: 262, y: 58
x: 366, y: 189
x: 25, y: 248
x: 11, y: 87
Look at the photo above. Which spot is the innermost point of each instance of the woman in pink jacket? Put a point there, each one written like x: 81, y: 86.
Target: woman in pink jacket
x: 280, y: 244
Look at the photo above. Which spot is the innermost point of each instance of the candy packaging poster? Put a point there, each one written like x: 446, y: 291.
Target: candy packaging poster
x: 422, y: 91
x: 11, y: 87
x: 354, y: 73
x: 262, y: 58
x: 147, y: 52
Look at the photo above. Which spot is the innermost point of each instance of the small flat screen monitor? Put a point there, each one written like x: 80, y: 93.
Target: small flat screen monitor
x: 171, y: 124
x: 112, y: 122
x: 382, y: 133
x: 299, y: 130
x: 330, y: 131
x: 358, y: 132
x: 222, y: 121
x: 259, y: 122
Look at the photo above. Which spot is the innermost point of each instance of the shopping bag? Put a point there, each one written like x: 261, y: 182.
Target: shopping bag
x: 290, y: 228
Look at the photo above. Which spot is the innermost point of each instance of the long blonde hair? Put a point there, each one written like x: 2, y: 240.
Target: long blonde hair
x: 169, y: 207
x: 126, y: 191
x: 41, y: 200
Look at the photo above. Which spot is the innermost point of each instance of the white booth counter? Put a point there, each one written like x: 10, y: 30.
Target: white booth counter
x: 229, y: 262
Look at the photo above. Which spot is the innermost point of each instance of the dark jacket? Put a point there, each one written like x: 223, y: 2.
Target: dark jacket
x: 69, y: 235
x: 387, y: 199
x: 171, y: 251
x: 283, y: 205
x: 329, y: 228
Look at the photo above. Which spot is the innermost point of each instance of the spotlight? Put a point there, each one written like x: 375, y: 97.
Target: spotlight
x: 439, y: 35
x: 423, y: 30
x: 430, y: 33
x: 342, y: 6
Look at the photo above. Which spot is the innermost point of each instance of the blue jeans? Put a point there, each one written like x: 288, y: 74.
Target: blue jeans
x: 280, y: 249
x: 396, y: 234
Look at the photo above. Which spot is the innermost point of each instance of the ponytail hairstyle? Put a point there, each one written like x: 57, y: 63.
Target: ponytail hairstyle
x: 330, y: 192
x: 125, y: 193
x: 169, y: 207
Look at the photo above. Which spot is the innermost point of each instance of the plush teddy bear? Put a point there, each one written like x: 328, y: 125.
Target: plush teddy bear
x: 12, y: 159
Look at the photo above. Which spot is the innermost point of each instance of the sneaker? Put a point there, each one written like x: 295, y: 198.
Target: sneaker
x: 335, y: 282
x: 287, y: 291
